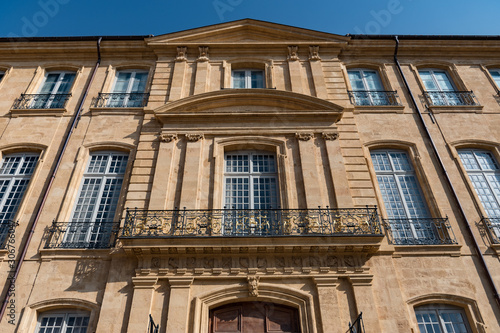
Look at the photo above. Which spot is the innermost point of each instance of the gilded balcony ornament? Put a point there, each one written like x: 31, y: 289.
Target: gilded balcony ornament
x: 293, y: 53
x: 304, y: 136
x: 314, y: 52
x: 203, y: 53
x: 216, y: 226
x: 181, y: 53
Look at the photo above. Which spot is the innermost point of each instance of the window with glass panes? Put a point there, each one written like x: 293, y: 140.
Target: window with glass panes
x: 367, y: 86
x: 63, y: 323
x: 54, y: 89
x: 495, y: 74
x: 250, y: 180
x: 128, y: 89
x: 484, y: 173
x: 248, y: 78
x: 15, y: 174
x: 438, y: 83
x: 401, y: 193
x: 97, y: 200
x: 437, y: 318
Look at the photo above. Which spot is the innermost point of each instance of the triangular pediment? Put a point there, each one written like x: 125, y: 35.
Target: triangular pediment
x: 247, y: 31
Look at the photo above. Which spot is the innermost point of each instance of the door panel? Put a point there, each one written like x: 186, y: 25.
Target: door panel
x: 254, y: 317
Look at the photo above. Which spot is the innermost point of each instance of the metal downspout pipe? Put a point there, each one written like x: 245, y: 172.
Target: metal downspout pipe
x: 434, y: 148
x: 74, y: 122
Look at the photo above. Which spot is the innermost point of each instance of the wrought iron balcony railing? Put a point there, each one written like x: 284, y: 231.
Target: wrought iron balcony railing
x: 251, y: 222
x: 450, y: 98
x: 41, y: 101
x: 121, y: 100
x: 419, y: 231
x: 82, y: 235
x: 369, y: 97
x: 492, y: 224
x: 357, y: 326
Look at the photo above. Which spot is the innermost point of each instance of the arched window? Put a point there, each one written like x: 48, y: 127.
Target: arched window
x: 63, y: 322
x: 54, y: 92
x: 95, y: 209
x: 247, y: 78
x: 128, y: 89
x: 367, y: 88
x: 441, y: 318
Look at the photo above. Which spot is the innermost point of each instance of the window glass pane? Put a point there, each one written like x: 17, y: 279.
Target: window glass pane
x: 443, y: 81
x: 356, y: 80
x: 495, y: 73
x: 66, y: 81
x: 468, y: 160
x: 428, y: 80
x: 381, y: 161
x: 50, y: 83
x: 237, y: 193
x: 122, y: 82
x: 239, y: 79
x: 486, y: 160
x: 139, y: 83
x: 257, y: 78
x: 372, y: 80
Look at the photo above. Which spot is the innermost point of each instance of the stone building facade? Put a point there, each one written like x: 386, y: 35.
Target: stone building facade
x: 250, y: 177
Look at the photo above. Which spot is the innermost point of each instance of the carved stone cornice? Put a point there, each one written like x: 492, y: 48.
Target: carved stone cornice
x: 203, y: 53
x: 293, y: 52
x: 194, y: 137
x: 314, y: 52
x: 304, y: 136
x: 168, y: 137
x: 330, y: 135
x: 181, y: 53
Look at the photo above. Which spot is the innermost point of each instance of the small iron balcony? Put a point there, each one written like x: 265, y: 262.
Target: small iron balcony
x: 419, y: 231
x: 41, y: 101
x: 450, y: 98
x: 121, y: 100
x: 82, y: 235
x: 492, y: 224
x: 374, y: 98
x: 251, y: 222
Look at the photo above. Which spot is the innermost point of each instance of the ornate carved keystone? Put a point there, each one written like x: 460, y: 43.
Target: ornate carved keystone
x: 253, y: 285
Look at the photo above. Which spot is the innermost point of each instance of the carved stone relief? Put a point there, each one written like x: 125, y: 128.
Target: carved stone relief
x: 203, y: 53
x: 181, y: 53
x: 194, y: 137
x: 293, y: 52
x: 304, y: 136
x: 330, y: 136
x: 168, y: 137
x: 253, y: 285
x: 314, y: 53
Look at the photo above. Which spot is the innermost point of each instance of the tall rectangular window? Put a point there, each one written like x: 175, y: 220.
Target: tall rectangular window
x: 95, y: 208
x: 15, y: 174
x: 367, y: 88
x: 440, y: 88
x: 403, y: 199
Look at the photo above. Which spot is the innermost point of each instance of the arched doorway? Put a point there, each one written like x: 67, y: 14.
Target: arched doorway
x: 254, y: 317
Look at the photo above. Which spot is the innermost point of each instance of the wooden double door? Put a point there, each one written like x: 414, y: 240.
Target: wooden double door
x: 254, y: 317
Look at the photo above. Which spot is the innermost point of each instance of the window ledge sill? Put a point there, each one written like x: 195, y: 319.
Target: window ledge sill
x: 52, y: 254
x: 108, y: 111
x: 59, y: 112
x: 453, y: 250
x: 456, y: 108
x: 378, y: 109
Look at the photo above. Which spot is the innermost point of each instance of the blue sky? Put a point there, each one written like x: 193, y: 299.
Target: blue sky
x: 41, y: 18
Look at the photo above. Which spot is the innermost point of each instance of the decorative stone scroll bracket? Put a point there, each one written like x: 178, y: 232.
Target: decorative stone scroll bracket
x: 253, y: 285
x: 181, y: 53
x: 304, y: 136
x: 203, y: 53
x: 330, y: 135
x: 314, y: 53
x: 194, y: 137
x: 168, y: 137
x: 293, y: 53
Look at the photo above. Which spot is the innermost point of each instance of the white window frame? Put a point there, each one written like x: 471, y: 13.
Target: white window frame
x: 370, y: 100
x: 438, y: 310
x: 251, y: 175
x: 396, y: 174
x: 248, y: 77
x: 65, y: 319
x: 12, y: 178
x: 78, y: 227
